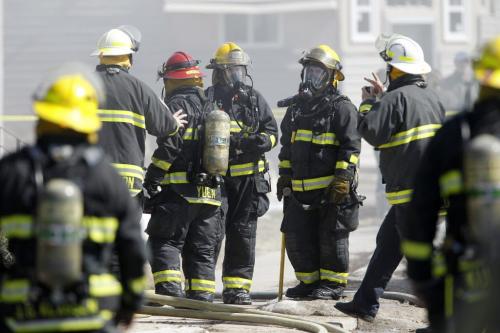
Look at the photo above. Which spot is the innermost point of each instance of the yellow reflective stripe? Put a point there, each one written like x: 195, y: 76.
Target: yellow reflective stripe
x: 310, y: 184
x: 406, y: 58
x: 285, y: 164
x: 134, y: 191
x: 168, y: 275
x: 413, y: 134
x: 130, y: 170
x: 15, y: 290
x: 354, y: 159
x: 307, y: 277
x: 235, y: 128
x: 175, y: 178
x: 450, y: 113
x: 303, y: 135
x: 292, y: 137
x: 416, y: 250
x: 236, y: 282
x: 190, y: 133
x: 104, y: 285
x: 101, y: 229
x: 245, y: 169
x: 17, y: 226
x: 439, y: 268
x: 451, y: 183
x: 325, y: 139
x: 341, y: 165
x: 206, y: 201
x: 339, y: 277
x: 365, y: 108
x: 400, y: 197
x: 57, y: 325
x: 137, y: 285
x: 164, y: 165
x: 122, y: 116
x: 200, y: 285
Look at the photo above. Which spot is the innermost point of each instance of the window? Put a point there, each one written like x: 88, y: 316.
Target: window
x: 364, y: 20
x: 454, y: 27
x: 253, y: 30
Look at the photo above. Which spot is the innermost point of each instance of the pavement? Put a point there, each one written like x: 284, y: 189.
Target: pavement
x: 393, y: 315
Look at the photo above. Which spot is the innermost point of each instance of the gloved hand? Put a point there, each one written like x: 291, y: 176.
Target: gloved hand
x: 339, y: 189
x: 284, y: 181
x: 124, y: 317
x: 234, y: 144
x: 151, y: 189
x: 255, y: 143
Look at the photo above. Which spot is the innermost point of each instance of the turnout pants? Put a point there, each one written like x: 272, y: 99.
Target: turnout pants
x: 384, y: 261
x: 246, y: 201
x: 194, y: 231
x: 316, y: 248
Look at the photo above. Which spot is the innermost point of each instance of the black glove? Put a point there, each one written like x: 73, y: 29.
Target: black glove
x: 124, y: 317
x: 284, y: 181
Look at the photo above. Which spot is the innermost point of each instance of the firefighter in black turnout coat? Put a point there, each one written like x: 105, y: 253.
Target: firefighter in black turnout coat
x: 455, y: 279
x: 63, y: 207
x: 131, y: 107
x: 318, y: 162
x: 400, y: 124
x: 253, y: 132
x: 187, y: 216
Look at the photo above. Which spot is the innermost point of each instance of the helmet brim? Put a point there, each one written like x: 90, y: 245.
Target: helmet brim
x: 111, y: 52
x: 189, y: 73
x: 77, y: 119
x: 420, y: 68
x: 488, y: 77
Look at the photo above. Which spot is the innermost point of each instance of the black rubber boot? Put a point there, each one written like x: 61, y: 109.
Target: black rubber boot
x: 203, y: 296
x: 302, y: 290
x: 350, y: 309
x: 169, y: 289
x: 328, y: 291
x: 424, y: 330
x: 236, y: 296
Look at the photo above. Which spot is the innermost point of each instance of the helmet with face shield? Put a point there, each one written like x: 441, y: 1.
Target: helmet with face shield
x: 321, y: 68
x: 229, y: 64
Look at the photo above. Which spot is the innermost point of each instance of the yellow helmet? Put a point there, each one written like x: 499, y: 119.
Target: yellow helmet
x: 70, y: 100
x: 326, y: 56
x: 487, y: 67
x: 229, y: 54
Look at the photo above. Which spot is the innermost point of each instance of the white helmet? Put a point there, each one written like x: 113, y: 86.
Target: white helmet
x: 119, y: 41
x: 402, y: 53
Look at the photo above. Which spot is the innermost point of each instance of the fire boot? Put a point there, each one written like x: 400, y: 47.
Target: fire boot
x: 302, y: 290
x: 203, y: 296
x: 236, y: 296
x: 328, y: 290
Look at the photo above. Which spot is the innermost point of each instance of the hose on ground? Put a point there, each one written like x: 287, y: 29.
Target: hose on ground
x: 240, y: 317
x: 224, y: 308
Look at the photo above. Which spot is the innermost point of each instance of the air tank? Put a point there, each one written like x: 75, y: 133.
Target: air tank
x: 216, y: 144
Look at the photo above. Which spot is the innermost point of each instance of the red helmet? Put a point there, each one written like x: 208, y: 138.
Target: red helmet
x: 180, y: 65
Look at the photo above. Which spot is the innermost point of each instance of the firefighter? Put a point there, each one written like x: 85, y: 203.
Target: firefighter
x: 451, y: 279
x: 131, y: 107
x: 63, y: 207
x: 399, y: 123
x: 318, y: 162
x: 187, y: 217
x: 253, y: 132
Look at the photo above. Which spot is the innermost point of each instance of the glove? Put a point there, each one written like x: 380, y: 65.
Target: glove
x: 284, y: 181
x: 234, y: 144
x: 339, y: 190
x: 124, y: 317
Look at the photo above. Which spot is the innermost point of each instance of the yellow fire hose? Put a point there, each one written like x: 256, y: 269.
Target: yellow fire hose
x: 231, y: 313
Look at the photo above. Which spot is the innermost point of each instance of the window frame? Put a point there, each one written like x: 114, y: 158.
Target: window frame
x: 250, y: 33
x: 448, y: 9
x: 372, y: 10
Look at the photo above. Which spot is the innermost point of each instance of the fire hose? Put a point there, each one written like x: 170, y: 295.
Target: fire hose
x: 204, y: 310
